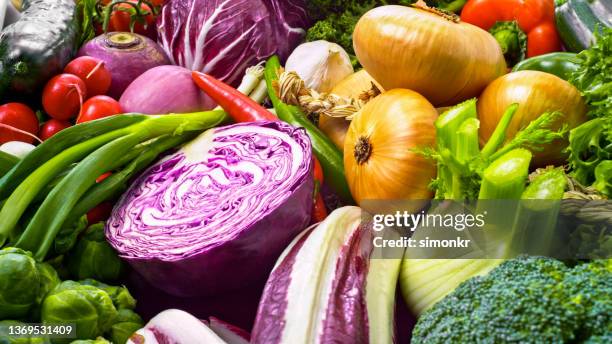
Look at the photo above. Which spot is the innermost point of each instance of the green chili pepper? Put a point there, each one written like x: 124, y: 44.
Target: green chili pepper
x: 328, y: 154
x: 560, y: 64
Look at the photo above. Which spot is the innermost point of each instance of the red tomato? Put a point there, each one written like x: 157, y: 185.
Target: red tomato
x: 120, y: 18
x: 99, y: 107
x: 63, y: 96
x: 52, y: 127
x: 99, y: 213
x: 91, y: 70
x: 16, y: 121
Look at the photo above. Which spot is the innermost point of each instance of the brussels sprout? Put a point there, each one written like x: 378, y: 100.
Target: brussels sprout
x: 6, y: 339
x: 127, y: 323
x: 93, y: 257
x: 19, y: 283
x: 119, y: 294
x: 89, y: 308
x: 48, y: 280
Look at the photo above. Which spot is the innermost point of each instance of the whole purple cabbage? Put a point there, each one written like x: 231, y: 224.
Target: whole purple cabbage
x: 215, y: 215
x: 224, y: 37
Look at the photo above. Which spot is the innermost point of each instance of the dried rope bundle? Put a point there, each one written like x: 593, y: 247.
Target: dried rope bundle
x: 292, y: 90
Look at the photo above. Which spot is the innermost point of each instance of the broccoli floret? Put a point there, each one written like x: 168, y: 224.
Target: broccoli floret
x: 590, y: 285
x: 526, y: 300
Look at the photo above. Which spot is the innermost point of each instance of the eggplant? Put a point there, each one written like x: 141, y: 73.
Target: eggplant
x: 38, y: 45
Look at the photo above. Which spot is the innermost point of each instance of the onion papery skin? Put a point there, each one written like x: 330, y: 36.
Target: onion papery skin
x: 215, y: 215
x: 352, y: 86
x: 327, y: 288
x: 536, y: 93
x: 445, y: 61
x: 395, y: 124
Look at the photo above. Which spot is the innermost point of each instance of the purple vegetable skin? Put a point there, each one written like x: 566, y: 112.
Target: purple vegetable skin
x: 216, y: 215
x: 224, y: 37
x: 326, y: 288
x: 126, y: 56
x: 165, y: 89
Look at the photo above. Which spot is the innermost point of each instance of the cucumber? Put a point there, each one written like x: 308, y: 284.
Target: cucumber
x: 38, y: 45
x: 578, y: 19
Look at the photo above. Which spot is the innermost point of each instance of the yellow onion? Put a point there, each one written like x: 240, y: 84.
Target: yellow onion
x: 352, y: 86
x: 536, y: 93
x: 432, y: 53
x: 379, y: 158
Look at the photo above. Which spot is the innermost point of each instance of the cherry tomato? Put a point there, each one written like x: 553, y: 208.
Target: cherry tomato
x: 99, y: 107
x: 100, y: 212
x: 93, y: 71
x: 16, y: 122
x: 123, y: 12
x: 52, y: 127
x: 63, y: 96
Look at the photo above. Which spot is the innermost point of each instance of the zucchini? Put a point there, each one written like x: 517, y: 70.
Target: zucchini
x: 7, y: 161
x: 38, y: 45
x: 577, y: 20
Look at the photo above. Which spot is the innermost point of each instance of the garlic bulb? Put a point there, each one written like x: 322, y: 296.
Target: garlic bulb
x: 321, y: 64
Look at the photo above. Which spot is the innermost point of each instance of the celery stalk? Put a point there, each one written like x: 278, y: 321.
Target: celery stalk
x: 505, y: 178
x: 449, y: 122
x: 534, y: 229
x: 467, y: 140
x: 447, y: 126
x: 499, y: 134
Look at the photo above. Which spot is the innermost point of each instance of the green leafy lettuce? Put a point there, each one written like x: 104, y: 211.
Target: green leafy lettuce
x: 591, y: 143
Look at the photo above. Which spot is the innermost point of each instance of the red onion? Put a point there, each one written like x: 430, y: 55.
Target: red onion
x: 165, y: 89
x: 126, y: 55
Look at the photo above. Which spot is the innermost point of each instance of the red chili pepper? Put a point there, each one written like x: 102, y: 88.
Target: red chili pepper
x: 100, y: 212
x: 240, y: 107
x: 535, y: 18
x: 103, y: 176
x: 319, y: 211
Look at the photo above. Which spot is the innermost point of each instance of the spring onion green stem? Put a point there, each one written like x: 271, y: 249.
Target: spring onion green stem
x: 117, y: 183
x: 59, y: 143
x: 23, y: 195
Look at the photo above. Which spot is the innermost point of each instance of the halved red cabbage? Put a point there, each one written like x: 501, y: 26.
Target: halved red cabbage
x: 224, y: 37
x: 215, y: 215
x: 327, y: 287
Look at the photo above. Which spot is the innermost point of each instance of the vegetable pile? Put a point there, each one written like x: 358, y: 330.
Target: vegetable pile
x: 240, y: 167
